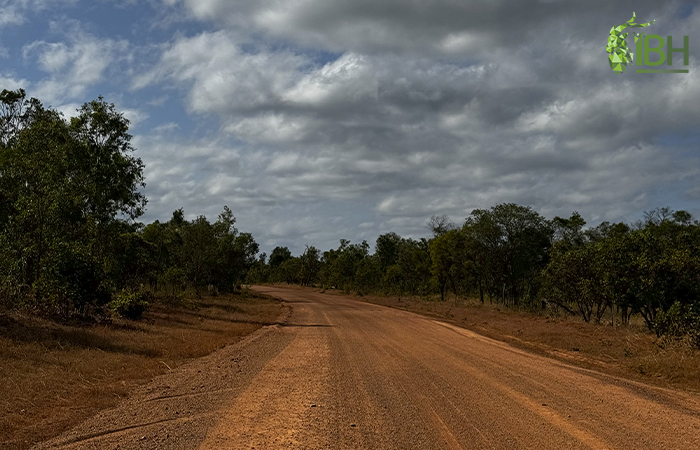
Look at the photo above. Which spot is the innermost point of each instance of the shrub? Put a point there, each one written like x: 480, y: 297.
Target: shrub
x: 680, y: 321
x: 129, y: 304
x: 175, y: 279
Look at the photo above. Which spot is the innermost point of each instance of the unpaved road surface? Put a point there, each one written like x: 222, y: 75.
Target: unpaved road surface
x: 343, y: 374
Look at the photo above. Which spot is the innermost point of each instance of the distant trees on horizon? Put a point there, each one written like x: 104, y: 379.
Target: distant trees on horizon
x: 70, y: 244
x: 511, y: 255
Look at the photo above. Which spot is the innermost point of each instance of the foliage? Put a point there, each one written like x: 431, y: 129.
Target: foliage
x: 509, y: 245
x: 259, y: 272
x: 69, y: 198
x: 68, y: 189
x: 512, y: 255
x: 278, y: 256
x: 448, y: 260
x: 199, y: 253
x: 679, y: 321
x: 129, y: 304
x: 309, y: 266
x: 70, y: 243
x: 173, y: 280
x: 644, y: 270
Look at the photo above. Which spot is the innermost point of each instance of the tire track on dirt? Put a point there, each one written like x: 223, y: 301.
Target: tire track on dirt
x: 341, y: 374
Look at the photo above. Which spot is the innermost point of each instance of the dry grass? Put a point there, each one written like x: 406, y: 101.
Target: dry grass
x: 630, y: 351
x: 56, y: 375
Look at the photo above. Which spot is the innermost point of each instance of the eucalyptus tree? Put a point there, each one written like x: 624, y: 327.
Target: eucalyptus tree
x: 510, y: 245
x: 67, y: 189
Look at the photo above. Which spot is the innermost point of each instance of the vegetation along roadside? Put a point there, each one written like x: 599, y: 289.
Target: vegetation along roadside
x: 93, y: 301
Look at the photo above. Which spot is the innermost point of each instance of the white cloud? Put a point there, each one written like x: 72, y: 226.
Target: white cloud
x: 223, y: 77
x: 73, y: 66
x: 11, y: 83
x: 13, y: 12
x: 415, y: 113
x: 133, y: 115
x: 10, y: 16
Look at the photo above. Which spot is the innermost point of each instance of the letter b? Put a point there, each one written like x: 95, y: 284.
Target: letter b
x: 658, y: 49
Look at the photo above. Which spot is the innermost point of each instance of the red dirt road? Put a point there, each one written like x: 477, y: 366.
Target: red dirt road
x: 343, y: 374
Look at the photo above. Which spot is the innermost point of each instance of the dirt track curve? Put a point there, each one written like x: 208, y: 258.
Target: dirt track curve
x: 343, y: 374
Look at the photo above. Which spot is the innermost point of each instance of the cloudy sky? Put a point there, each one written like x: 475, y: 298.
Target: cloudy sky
x: 316, y: 120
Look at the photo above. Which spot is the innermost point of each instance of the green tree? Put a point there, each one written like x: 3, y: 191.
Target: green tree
x: 414, y: 260
x: 198, y: 253
x: 448, y: 255
x: 310, y: 265
x: 572, y: 277
x: 65, y: 186
x: 387, y: 249
x: 259, y: 272
x: 510, y: 245
x: 289, y: 271
x: 278, y: 256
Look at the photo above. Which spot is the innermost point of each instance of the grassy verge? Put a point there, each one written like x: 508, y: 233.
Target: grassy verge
x: 55, y: 375
x: 630, y: 352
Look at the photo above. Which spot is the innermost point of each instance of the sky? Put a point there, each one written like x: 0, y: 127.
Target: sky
x: 321, y: 120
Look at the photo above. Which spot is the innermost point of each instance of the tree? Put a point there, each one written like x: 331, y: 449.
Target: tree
x: 65, y: 186
x: 440, y: 225
x: 289, y: 271
x: 310, y: 265
x: 510, y: 244
x: 662, y: 268
x: 259, y: 271
x: 448, y: 255
x: 414, y: 261
x: 646, y: 270
x: 278, y: 256
x: 572, y: 276
x: 236, y: 252
x: 395, y: 278
x: 198, y: 253
x: 387, y: 249
x: 569, y: 231
x: 239, y: 258
x: 339, y: 266
x: 367, y: 275
x: 111, y: 174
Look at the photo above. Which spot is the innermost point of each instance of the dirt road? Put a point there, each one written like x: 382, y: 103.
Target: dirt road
x: 342, y: 374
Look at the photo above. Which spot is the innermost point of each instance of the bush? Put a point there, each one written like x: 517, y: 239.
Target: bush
x: 680, y: 321
x: 129, y: 304
x: 13, y: 294
x: 174, y: 279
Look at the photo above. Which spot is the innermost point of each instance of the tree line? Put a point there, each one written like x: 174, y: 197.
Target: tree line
x: 511, y: 255
x: 70, y: 244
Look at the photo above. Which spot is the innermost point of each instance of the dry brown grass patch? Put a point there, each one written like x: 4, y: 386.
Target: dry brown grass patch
x: 56, y: 375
